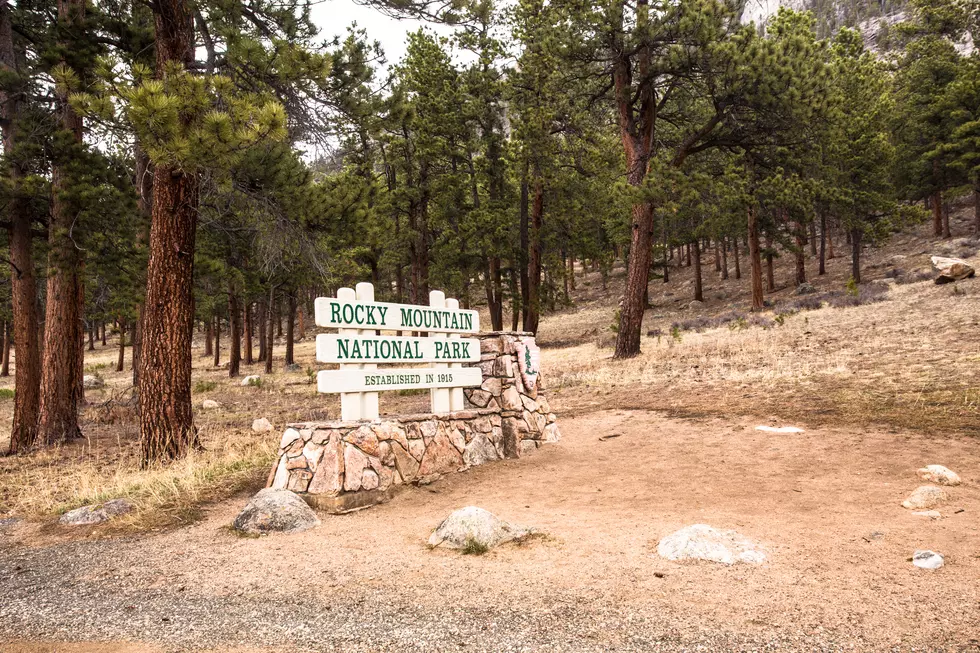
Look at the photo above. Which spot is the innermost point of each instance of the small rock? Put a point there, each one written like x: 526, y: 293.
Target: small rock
x: 475, y: 525
x: 276, y: 511
x: 9, y: 523
x: 251, y: 379
x: 261, y: 425
x: 951, y: 269
x: 779, y: 429
x: 210, y: 404
x: 928, y: 514
x: 702, y: 542
x: 294, y: 367
x: 92, y: 382
x: 925, y: 496
x: 805, y: 288
x: 939, y: 474
x: 927, y: 560
x: 695, y: 305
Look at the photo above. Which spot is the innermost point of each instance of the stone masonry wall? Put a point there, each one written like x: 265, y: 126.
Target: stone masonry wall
x: 340, y: 466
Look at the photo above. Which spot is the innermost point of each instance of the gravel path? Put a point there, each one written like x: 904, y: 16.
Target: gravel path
x: 825, y: 505
x: 48, y: 594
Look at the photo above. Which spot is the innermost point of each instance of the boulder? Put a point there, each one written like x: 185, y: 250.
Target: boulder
x: 925, y: 497
x: 951, y: 269
x: 210, y: 404
x: 927, y: 560
x: 95, y: 513
x: 275, y: 511
x: 261, y: 425
x: 92, y: 382
x: 251, y: 379
x: 939, y: 474
x: 471, y: 526
x: 702, y: 542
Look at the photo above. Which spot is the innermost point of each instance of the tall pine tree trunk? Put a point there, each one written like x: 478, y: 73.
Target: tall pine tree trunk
x: 525, y: 240
x: 800, y: 253
x: 823, y: 242
x: 269, y: 335
x: 946, y: 232
x: 121, y: 361
x: 770, y: 272
x: 208, y: 339
x: 532, y: 315
x: 698, y: 283
x: 290, y: 321
x: 5, y: 366
x: 249, y: 358
x: 755, y: 261
x: 738, y: 267
x: 63, y: 328
x: 234, y: 334
x: 167, y: 428
x: 724, y: 258
x: 27, y: 372
x: 261, y: 313
x: 217, y: 340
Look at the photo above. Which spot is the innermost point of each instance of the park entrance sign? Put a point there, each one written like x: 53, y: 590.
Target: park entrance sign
x: 358, y: 348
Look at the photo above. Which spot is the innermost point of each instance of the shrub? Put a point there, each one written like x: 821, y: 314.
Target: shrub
x: 473, y: 547
x: 204, y: 386
x: 255, y: 383
x: 6, y: 393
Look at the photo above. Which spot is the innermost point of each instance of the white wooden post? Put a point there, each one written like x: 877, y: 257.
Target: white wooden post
x: 455, y: 394
x: 350, y: 402
x: 440, y: 396
x: 369, y: 400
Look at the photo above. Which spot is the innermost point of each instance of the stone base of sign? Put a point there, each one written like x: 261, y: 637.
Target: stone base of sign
x: 344, y: 466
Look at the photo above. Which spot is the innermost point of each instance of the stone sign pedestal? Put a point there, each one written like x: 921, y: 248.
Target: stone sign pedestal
x: 341, y: 466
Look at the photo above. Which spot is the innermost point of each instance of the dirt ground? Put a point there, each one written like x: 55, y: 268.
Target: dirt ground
x: 824, y: 503
x: 881, y: 390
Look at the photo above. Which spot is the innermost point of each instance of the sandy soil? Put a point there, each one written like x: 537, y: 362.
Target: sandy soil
x: 825, y: 504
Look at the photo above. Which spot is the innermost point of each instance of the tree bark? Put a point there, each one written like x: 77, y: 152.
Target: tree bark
x: 269, y: 337
x: 234, y: 334
x: 121, y: 361
x: 724, y: 258
x: 290, y: 321
x: 167, y: 428
x: 261, y: 316
x: 495, y: 302
x: 946, y: 232
x: 770, y: 273
x: 103, y: 334
x: 800, y: 253
x: 698, y: 290
x: 823, y: 242
x: 937, y: 213
x: 5, y: 366
x: 525, y: 241
x: 738, y: 268
x: 217, y: 340
x: 63, y: 328
x: 208, y: 338
x: 91, y: 337
x: 249, y: 358
x: 976, y: 205
x: 532, y: 315
x: 301, y: 317
x: 755, y: 261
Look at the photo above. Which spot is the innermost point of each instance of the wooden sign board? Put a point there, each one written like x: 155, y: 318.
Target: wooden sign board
x: 340, y: 314
x: 341, y: 348
x: 399, y: 378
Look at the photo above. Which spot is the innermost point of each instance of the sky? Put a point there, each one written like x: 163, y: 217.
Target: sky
x: 335, y: 16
